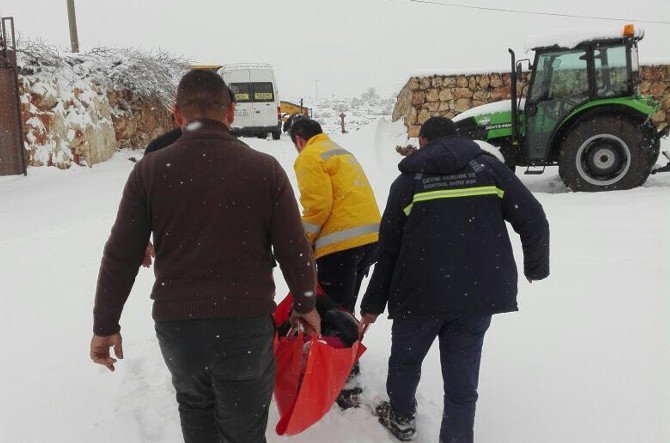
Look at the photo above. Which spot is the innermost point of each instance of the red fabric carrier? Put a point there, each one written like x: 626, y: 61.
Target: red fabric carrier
x: 302, y: 403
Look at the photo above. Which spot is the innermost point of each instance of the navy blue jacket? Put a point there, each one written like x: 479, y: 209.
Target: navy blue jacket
x: 163, y: 141
x: 443, y: 242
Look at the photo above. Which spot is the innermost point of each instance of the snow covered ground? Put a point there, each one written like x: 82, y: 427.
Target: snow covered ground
x: 587, y: 359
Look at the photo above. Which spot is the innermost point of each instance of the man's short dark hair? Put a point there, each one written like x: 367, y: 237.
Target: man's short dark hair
x: 202, y: 90
x: 304, y: 128
x: 436, y: 127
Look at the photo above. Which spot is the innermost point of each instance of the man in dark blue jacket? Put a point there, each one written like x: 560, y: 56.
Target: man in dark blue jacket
x: 445, y: 266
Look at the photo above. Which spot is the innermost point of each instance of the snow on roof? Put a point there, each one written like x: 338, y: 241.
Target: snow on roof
x: 489, y: 108
x: 569, y: 38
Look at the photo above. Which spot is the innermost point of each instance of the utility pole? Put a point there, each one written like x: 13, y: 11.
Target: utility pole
x: 72, y: 19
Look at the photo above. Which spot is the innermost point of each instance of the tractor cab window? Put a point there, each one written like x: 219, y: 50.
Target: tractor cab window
x: 611, y: 71
x: 560, y: 84
x: 635, y: 68
x: 561, y: 74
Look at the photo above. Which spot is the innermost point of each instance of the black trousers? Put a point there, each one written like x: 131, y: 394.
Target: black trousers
x: 461, y: 340
x: 223, y: 371
x: 341, y: 273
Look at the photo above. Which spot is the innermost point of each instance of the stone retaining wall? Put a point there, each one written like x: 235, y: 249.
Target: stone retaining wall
x: 78, y: 109
x: 448, y: 95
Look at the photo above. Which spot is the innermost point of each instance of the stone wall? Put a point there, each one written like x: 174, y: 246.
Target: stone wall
x: 138, y: 119
x: 449, y: 95
x: 65, y: 123
x: 78, y: 109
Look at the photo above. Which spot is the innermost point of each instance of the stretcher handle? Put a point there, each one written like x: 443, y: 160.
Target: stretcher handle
x: 295, y: 330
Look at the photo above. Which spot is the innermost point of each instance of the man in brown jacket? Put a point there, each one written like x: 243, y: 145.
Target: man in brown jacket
x: 220, y: 214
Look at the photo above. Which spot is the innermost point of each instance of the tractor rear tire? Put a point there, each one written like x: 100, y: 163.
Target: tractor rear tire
x: 604, y: 153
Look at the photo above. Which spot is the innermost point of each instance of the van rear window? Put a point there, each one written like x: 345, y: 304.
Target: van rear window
x: 242, y: 92
x: 263, y: 92
x: 253, y: 92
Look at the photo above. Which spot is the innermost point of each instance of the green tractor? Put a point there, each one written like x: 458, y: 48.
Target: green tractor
x: 583, y: 113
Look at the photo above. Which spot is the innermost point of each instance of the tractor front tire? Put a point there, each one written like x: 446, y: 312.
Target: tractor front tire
x: 604, y: 153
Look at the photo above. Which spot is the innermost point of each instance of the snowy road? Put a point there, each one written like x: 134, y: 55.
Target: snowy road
x: 585, y: 360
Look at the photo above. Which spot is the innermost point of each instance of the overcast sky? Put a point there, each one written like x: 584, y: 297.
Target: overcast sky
x: 347, y: 45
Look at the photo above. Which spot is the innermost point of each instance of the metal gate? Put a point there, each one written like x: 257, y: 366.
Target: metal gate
x: 12, y: 154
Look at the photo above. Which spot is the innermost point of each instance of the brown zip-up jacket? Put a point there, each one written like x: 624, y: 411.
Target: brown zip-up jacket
x: 220, y: 213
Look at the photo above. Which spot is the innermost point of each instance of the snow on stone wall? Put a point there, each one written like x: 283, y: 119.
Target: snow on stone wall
x: 449, y: 95
x: 79, y: 108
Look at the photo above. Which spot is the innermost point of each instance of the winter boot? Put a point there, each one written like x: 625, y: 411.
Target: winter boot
x: 349, y: 398
x: 350, y: 395
x: 402, y: 426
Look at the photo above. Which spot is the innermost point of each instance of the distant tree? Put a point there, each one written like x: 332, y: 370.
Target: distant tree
x: 370, y: 94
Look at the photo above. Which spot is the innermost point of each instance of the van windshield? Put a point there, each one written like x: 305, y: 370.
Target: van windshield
x: 253, y: 92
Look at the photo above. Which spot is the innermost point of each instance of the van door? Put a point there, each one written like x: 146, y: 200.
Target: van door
x: 264, y: 98
x: 238, y: 81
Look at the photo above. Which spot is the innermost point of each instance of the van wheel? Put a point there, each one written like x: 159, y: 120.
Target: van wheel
x: 603, y: 154
x: 276, y: 135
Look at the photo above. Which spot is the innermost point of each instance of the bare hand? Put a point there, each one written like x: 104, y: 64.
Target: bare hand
x: 310, y: 321
x: 369, y: 318
x: 100, y: 350
x: 149, y: 254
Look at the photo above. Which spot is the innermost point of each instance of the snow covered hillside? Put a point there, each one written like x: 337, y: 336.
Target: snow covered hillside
x: 359, y: 111
x: 587, y: 359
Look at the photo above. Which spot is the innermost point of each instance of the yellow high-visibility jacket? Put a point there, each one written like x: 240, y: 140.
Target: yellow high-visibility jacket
x: 339, y: 208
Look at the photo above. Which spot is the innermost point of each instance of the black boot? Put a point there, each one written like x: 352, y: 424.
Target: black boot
x: 350, y: 395
x: 349, y: 398
x: 402, y: 426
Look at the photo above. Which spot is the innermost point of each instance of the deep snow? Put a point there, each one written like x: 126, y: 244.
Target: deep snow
x: 585, y: 360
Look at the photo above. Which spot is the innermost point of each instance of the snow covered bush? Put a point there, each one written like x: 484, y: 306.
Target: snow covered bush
x: 79, y: 108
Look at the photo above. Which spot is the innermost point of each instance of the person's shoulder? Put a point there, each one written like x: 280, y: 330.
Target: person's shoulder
x: 260, y: 161
x: 403, y: 181
x: 310, y: 156
x: 163, y: 141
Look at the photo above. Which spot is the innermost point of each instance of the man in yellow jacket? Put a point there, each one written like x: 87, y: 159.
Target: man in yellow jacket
x: 340, y: 213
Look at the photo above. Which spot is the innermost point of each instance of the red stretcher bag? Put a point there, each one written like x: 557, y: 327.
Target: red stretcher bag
x: 303, y: 397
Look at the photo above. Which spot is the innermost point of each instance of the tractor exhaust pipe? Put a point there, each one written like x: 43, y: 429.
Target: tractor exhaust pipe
x: 515, y: 110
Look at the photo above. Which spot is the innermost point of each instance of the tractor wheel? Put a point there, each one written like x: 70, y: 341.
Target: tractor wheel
x: 603, y: 153
x: 276, y: 135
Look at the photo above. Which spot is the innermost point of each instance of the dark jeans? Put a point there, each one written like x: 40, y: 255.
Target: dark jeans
x: 461, y: 340
x: 223, y: 371
x: 341, y: 273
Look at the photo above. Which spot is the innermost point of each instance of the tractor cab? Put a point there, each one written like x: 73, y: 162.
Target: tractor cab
x: 564, y: 80
x: 582, y: 112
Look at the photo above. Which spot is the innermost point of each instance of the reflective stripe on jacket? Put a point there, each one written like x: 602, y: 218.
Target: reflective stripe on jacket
x: 339, y: 208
